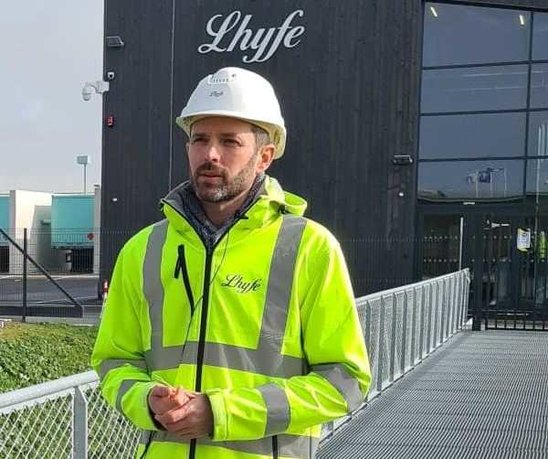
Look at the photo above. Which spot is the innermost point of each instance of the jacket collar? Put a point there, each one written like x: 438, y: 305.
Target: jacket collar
x: 271, y: 202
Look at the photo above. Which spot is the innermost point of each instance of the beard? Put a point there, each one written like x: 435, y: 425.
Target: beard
x: 227, y: 188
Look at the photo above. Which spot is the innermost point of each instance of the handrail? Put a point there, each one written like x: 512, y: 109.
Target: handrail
x: 26, y: 395
x: 402, y: 326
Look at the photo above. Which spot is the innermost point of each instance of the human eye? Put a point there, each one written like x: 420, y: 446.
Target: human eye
x: 231, y: 142
x: 198, y: 139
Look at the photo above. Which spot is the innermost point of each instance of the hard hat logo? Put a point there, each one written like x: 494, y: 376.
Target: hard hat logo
x: 248, y: 96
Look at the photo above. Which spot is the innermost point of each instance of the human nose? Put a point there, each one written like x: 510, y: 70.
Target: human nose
x: 212, y: 153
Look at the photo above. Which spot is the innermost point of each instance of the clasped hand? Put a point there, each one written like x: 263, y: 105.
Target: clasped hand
x: 184, y: 413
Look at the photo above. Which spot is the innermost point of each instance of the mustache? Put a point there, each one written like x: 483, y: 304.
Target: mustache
x: 210, y: 167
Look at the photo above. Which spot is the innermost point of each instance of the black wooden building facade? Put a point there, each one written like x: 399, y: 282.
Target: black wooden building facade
x: 348, y: 74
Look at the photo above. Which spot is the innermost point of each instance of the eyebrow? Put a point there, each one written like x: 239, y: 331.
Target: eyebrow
x: 230, y: 134
x: 222, y: 134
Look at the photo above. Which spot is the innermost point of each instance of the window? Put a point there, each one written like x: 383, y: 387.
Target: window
x: 540, y: 37
x: 475, y: 35
x: 539, y: 86
x: 472, y: 136
x: 471, y: 180
x: 537, y: 180
x: 474, y: 88
x: 538, y: 134
x: 484, y: 98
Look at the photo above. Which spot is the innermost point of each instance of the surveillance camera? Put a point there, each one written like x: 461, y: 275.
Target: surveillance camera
x: 99, y: 87
x: 87, y: 91
x: 111, y: 75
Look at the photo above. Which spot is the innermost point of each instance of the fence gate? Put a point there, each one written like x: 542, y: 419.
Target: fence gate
x: 508, y: 259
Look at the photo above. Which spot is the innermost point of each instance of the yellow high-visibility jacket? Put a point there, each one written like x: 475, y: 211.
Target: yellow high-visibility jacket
x: 264, y: 323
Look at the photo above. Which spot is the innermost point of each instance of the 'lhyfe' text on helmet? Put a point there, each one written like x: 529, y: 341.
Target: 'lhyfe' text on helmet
x: 237, y: 93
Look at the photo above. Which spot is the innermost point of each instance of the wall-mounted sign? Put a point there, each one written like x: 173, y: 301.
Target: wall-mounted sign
x: 258, y: 44
x: 523, y: 239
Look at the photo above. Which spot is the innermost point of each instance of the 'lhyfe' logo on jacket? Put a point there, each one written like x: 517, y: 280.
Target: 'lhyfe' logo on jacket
x: 236, y: 281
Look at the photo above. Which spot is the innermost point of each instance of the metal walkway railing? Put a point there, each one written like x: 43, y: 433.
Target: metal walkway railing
x: 67, y: 418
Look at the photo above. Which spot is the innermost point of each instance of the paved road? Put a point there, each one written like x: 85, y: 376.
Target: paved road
x: 42, y: 291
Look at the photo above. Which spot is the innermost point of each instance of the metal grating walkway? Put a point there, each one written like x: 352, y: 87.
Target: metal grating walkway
x: 481, y: 395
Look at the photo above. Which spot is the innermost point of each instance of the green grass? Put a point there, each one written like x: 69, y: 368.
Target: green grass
x: 35, y: 353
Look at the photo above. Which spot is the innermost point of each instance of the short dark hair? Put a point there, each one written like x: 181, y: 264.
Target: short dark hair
x: 262, y: 137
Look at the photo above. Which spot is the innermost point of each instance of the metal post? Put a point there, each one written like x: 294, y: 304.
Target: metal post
x: 422, y: 322
x: 85, y: 179
x: 443, y: 310
x: 454, y: 313
x: 454, y: 298
x: 451, y: 295
x: 79, y: 425
x: 25, y: 274
x: 437, y: 312
x: 465, y: 299
x: 404, y: 334
x: 393, y: 336
x: 380, y: 347
x: 429, y: 328
x: 414, y: 329
x: 368, y: 331
x: 448, y: 308
x: 440, y: 311
x: 461, y: 237
x: 461, y: 291
x: 447, y: 326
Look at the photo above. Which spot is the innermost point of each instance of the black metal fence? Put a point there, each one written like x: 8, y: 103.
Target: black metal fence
x: 45, y: 273
x: 61, y: 274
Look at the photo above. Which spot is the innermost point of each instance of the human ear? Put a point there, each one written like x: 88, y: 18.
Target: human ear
x: 266, y: 156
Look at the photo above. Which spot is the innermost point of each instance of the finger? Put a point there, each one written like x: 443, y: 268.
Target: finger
x: 160, y: 400
x: 181, y: 396
x: 181, y: 425
x: 160, y: 391
x: 162, y: 405
x: 173, y: 416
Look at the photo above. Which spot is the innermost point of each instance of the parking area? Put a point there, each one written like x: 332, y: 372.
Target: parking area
x: 43, y: 296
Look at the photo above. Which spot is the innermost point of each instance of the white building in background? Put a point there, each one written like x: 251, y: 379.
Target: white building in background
x: 62, y: 231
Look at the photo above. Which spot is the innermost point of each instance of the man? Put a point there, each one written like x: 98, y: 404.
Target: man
x: 230, y: 329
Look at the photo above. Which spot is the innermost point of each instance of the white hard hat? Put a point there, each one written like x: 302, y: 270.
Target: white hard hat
x: 237, y: 93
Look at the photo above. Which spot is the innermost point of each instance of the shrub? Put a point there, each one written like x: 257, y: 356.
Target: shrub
x: 35, y: 353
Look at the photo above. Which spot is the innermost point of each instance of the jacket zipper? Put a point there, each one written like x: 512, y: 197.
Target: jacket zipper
x: 201, y: 340
x: 275, y: 447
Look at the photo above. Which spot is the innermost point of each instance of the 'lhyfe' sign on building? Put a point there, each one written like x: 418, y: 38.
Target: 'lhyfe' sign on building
x: 238, y: 31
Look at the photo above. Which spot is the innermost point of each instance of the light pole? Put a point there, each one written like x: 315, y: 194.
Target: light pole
x: 84, y: 160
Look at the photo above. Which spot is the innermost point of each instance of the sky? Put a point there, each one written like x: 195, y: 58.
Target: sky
x: 49, y: 49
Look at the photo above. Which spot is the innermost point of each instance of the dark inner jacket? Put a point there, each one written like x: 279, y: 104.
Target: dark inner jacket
x: 185, y: 198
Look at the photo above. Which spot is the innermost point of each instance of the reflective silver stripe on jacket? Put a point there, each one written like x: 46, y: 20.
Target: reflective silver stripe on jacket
x: 280, y: 281
x: 111, y: 364
x: 294, y: 446
x: 153, y: 289
x: 266, y: 361
x: 345, y: 383
x: 277, y: 408
x: 124, y: 388
x: 267, y: 358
